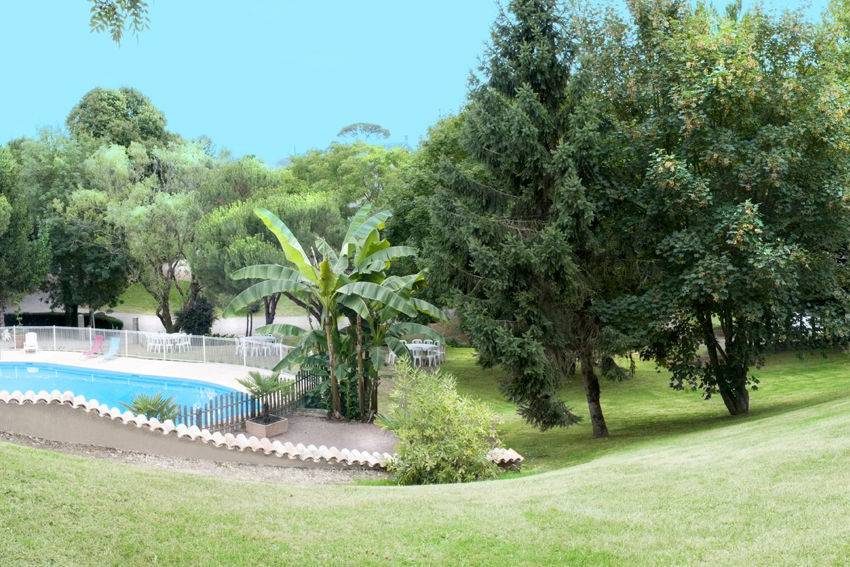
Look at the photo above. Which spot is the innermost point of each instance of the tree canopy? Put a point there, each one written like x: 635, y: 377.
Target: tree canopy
x: 118, y: 116
x: 739, y: 139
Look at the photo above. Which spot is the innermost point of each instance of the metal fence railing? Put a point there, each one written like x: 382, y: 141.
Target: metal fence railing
x: 230, y: 411
x: 256, y: 352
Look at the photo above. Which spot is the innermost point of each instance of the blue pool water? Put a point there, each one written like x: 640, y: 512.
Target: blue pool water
x: 110, y: 388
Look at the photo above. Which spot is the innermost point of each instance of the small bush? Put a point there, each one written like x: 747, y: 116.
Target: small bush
x: 443, y: 436
x: 196, y: 317
x: 157, y: 406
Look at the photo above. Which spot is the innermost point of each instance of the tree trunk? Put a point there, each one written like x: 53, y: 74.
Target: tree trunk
x: 2, y: 315
x: 374, y: 383
x: 249, y: 323
x: 194, y: 289
x: 270, y: 307
x: 164, y: 315
x: 734, y: 392
x: 591, y: 391
x: 71, y: 312
x: 361, y: 377
x: 336, y: 407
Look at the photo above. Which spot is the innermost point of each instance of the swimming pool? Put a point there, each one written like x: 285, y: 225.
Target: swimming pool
x: 107, y: 387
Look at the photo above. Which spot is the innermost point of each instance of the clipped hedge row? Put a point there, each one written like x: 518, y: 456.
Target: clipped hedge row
x: 101, y: 321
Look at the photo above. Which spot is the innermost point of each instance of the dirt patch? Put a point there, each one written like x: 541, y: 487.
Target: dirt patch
x: 234, y: 471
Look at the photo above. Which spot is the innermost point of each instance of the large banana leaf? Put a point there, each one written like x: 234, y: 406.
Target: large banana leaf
x: 397, y: 346
x: 282, y: 330
x: 266, y: 272
x: 356, y: 304
x: 260, y: 290
x: 372, y: 243
x: 429, y: 309
x: 406, y: 328
x: 377, y: 261
x: 381, y: 294
x: 397, y: 283
x: 358, y: 219
x: 374, y: 222
x: 291, y: 247
x: 325, y: 249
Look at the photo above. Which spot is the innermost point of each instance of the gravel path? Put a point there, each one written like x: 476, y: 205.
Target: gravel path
x: 232, y: 471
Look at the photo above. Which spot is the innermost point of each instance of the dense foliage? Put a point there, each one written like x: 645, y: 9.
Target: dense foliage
x: 739, y: 173
x: 443, y: 436
x: 525, y: 221
x: 196, y: 317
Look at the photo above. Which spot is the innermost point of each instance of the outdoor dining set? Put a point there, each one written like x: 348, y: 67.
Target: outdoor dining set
x: 167, y: 342
x: 423, y: 352
x: 260, y: 345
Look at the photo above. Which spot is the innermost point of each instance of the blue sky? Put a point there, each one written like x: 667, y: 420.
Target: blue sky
x: 263, y: 77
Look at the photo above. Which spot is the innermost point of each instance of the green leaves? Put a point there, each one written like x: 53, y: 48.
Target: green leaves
x: 291, y: 247
x: 381, y: 294
x: 282, y: 330
x: 260, y: 290
x: 266, y: 272
x: 380, y: 260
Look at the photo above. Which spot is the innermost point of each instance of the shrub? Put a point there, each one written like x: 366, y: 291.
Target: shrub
x: 443, y: 436
x: 157, y: 406
x: 196, y: 317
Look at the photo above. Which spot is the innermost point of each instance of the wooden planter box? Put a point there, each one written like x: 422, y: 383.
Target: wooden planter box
x: 260, y: 430
x: 19, y: 342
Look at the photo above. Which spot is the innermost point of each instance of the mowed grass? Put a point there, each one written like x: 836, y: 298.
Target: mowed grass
x: 645, y: 409
x: 678, y: 483
x: 137, y: 300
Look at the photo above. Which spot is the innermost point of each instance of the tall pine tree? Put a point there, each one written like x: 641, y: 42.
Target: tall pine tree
x: 523, y: 231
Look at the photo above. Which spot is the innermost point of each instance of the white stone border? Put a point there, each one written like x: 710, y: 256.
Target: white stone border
x: 228, y: 441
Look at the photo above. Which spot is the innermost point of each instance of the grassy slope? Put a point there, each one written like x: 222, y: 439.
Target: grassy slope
x: 771, y: 488
x: 138, y: 301
x: 645, y: 408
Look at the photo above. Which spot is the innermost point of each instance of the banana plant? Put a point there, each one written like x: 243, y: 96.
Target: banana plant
x: 325, y: 286
x: 381, y: 311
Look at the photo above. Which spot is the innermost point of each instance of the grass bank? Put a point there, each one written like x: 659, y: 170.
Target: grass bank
x: 678, y: 483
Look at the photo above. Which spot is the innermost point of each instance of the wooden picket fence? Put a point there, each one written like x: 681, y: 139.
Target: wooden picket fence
x: 228, y: 412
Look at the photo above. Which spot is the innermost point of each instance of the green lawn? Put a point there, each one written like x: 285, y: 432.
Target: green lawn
x: 645, y: 408
x: 679, y: 483
x: 138, y: 301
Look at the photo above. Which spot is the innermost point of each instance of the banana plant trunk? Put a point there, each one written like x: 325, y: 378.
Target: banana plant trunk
x: 336, y: 406
x: 361, y: 377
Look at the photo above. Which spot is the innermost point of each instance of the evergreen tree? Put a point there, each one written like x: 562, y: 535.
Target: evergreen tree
x: 523, y: 230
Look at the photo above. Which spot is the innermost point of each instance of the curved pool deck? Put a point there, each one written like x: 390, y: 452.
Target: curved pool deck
x: 214, y: 373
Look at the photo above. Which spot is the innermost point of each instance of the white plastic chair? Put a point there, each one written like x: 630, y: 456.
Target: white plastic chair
x: 432, y: 355
x: 30, y: 342
x: 416, y: 342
